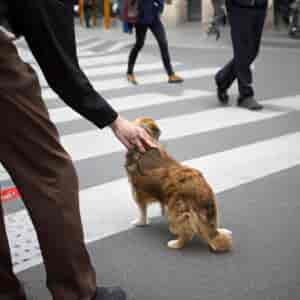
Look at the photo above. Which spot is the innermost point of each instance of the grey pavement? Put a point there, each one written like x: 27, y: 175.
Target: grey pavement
x: 251, y: 159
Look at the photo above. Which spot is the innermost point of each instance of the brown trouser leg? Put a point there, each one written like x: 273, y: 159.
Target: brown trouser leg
x: 31, y: 152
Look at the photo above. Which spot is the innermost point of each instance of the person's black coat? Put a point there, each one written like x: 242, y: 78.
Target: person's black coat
x: 48, y: 27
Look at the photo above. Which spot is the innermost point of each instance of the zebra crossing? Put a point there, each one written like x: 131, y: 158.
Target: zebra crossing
x: 107, y: 207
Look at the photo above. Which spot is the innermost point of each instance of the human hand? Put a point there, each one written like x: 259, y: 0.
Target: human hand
x: 131, y: 135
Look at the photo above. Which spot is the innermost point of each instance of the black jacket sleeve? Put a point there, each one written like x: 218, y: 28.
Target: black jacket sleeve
x: 48, y: 27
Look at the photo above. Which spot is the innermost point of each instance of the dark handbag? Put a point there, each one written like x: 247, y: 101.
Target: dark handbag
x: 131, y: 11
x: 250, y: 3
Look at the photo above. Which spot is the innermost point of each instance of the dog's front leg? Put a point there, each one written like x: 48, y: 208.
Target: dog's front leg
x: 142, y: 220
x: 139, y: 198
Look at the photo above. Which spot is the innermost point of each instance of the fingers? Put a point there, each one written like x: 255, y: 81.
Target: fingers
x: 140, y: 146
x: 125, y: 141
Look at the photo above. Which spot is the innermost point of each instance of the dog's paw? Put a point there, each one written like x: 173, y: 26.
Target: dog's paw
x: 225, y: 231
x: 175, y: 244
x: 139, y: 223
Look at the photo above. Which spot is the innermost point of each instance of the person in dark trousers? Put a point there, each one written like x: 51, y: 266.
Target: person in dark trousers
x: 33, y: 155
x: 149, y: 12
x: 88, y: 8
x: 247, y: 18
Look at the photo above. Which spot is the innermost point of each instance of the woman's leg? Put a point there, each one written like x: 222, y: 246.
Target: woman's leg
x: 140, y: 33
x: 158, y: 31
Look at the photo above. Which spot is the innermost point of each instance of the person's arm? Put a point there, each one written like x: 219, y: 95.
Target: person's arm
x: 48, y: 27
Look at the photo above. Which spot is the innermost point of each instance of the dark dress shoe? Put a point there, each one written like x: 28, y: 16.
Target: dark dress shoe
x: 222, y: 94
x: 110, y: 293
x: 249, y: 103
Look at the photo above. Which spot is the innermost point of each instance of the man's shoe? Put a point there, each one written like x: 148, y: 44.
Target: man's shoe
x: 175, y: 79
x: 222, y: 94
x: 131, y: 79
x: 111, y: 293
x: 249, y: 103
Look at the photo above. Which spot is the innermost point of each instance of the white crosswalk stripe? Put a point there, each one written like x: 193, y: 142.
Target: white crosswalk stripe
x: 119, y: 83
x: 224, y: 169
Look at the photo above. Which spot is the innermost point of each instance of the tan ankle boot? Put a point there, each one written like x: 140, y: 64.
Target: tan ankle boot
x: 131, y: 78
x: 175, y: 79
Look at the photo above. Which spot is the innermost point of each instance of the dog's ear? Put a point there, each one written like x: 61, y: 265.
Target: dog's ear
x: 152, y: 129
x: 156, y: 132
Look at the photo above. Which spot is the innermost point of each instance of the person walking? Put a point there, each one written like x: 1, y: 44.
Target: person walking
x: 32, y: 153
x: 246, y: 18
x: 148, y: 17
x: 88, y: 9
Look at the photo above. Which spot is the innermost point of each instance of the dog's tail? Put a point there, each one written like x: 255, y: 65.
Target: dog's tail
x: 199, y: 223
x: 218, y: 239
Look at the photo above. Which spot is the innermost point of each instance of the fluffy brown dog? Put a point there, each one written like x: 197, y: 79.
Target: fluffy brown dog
x: 188, y: 199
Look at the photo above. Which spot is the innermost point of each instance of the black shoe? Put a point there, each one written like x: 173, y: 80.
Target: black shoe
x: 111, y: 293
x: 222, y: 94
x: 249, y: 103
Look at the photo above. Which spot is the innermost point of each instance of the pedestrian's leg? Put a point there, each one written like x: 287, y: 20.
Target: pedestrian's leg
x: 140, y: 33
x: 242, y: 39
x: 257, y: 29
x: 45, y: 176
x: 159, y: 32
x: 87, y: 15
x: 226, y: 76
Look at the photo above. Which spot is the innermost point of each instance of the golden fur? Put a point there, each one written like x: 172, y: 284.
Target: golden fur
x: 183, y: 193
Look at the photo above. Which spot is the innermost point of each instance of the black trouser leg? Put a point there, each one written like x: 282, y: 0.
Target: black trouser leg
x: 140, y: 33
x: 246, y: 31
x: 87, y: 15
x: 159, y: 32
x: 226, y: 76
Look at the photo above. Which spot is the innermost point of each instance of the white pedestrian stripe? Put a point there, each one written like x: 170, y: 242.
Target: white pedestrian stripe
x: 91, y: 45
x: 66, y: 114
x: 206, y: 121
x: 290, y: 103
x: 117, y: 47
x: 224, y: 171
x: 119, y: 83
x: 190, y: 124
x: 113, y: 70
x: 97, y: 61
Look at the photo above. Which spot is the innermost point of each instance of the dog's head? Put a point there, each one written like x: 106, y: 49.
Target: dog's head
x: 150, y: 126
x: 222, y: 242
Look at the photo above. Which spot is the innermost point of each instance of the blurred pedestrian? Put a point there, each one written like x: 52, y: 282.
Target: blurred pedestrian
x: 219, y: 18
x: 32, y: 153
x: 247, y: 18
x: 88, y: 11
x: 148, y: 17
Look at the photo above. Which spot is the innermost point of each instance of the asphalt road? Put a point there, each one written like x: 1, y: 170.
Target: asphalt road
x: 250, y: 158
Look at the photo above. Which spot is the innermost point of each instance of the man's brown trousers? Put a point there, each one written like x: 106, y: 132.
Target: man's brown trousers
x: 44, y: 174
